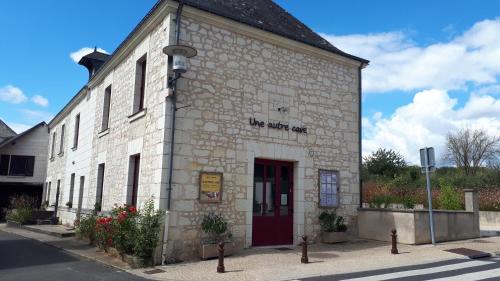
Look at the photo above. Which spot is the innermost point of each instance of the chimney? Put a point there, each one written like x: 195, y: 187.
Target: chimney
x: 93, y: 61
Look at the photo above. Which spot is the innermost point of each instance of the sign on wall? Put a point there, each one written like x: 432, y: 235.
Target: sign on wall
x: 210, y: 187
x: 328, y: 188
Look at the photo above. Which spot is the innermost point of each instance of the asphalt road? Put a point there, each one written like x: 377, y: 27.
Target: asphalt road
x: 25, y: 260
x: 450, y: 270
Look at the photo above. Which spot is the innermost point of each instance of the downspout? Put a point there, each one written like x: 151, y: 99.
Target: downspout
x: 172, y: 83
x: 360, y: 147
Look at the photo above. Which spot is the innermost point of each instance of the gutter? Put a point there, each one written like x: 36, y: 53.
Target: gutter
x: 173, y: 85
x: 360, y: 137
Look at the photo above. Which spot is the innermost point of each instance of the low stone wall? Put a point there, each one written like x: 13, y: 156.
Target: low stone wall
x: 413, y: 225
x: 489, y: 219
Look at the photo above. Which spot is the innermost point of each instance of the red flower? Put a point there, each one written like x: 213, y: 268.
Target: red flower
x: 132, y: 209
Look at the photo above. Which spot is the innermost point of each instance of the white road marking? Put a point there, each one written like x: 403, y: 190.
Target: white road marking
x: 416, y: 272
x: 474, y: 276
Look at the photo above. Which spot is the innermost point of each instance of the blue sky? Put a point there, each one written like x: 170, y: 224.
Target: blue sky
x: 434, y: 64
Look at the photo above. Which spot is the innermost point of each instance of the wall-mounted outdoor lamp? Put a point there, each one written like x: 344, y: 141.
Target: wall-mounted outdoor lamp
x: 179, y: 54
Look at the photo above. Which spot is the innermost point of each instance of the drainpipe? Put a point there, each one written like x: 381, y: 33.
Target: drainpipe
x: 360, y: 136
x: 172, y: 83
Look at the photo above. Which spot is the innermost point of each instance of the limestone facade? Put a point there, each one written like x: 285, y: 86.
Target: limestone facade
x: 239, y: 73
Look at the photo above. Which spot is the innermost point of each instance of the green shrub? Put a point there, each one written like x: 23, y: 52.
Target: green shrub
x: 215, y: 227
x: 449, y: 199
x: 85, y: 227
x: 149, y: 224
x: 409, y: 202
x: 20, y: 208
x: 124, y: 228
x: 330, y: 222
x: 104, y: 232
x: 382, y: 200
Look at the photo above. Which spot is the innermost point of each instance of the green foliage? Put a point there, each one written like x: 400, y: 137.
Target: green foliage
x: 215, y: 227
x: 330, y: 222
x: 449, y: 199
x: 125, y: 228
x: 382, y: 200
x: 20, y: 208
x: 85, y: 227
x: 148, y: 230
x: 386, y: 163
x: 409, y: 202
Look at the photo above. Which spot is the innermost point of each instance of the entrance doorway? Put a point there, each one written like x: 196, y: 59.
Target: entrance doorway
x: 272, y: 203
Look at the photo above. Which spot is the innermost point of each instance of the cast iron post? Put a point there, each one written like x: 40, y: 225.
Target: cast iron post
x: 220, y: 267
x: 394, y: 236
x: 304, y: 258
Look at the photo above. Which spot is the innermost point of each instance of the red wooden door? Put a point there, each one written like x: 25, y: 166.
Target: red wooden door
x: 272, y: 203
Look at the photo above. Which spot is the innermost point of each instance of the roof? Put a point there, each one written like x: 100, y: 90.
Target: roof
x: 268, y: 16
x: 11, y: 140
x: 95, y: 55
x: 8, y: 128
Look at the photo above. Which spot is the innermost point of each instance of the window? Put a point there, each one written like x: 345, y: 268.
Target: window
x: 48, y: 192
x: 328, y: 189
x: 133, y: 180
x: 140, y: 84
x: 71, y: 190
x: 61, y: 144
x: 53, y: 148
x: 106, y: 109
x: 77, y: 131
x: 100, y: 185
x: 17, y: 165
x: 58, y: 190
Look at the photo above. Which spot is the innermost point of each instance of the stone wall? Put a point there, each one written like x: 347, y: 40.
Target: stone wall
x: 236, y: 77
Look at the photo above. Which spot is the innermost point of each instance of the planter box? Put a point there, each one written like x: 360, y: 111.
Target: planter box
x: 333, y: 237
x: 13, y: 224
x: 137, y: 262
x: 208, y: 251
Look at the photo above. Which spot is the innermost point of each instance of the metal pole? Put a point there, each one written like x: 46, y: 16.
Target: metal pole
x: 429, y: 196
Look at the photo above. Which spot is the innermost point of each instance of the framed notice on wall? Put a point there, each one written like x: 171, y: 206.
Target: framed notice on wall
x: 210, y: 187
x: 328, y: 188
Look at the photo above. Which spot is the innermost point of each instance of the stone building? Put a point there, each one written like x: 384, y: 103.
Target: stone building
x: 265, y: 108
x: 23, y: 162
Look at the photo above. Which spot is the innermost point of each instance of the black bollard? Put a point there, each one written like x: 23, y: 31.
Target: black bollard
x: 220, y: 266
x: 304, y: 258
x: 394, y: 249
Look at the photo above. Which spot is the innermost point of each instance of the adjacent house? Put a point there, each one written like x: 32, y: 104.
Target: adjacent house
x: 265, y: 126
x: 23, y: 162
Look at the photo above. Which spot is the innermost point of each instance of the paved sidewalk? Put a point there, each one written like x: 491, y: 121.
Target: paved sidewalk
x: 273, y: 264
x: 360, y: 255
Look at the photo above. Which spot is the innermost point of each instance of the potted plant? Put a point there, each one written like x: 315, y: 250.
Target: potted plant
x: 215, y: 229
x: 333, y: 228
x: 69, y: 204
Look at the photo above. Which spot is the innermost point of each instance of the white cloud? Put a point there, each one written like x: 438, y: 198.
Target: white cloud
x: 77, y: 55
x: 18, y: 127
x: 36, y: 115
x: 12, y: 94
x: 397, y: 63
x: 41, y: 101
x: 426, y: 121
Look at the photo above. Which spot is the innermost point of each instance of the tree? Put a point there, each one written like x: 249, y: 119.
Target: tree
x: 384, y: 162
x: 471, y: 149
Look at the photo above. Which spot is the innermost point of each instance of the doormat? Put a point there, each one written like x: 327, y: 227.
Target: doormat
x: 154, y: 271
x: 283, y: 249
x: 470, y: 253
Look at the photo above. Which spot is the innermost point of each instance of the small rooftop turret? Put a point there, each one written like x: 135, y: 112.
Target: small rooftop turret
x: 93, y: 61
